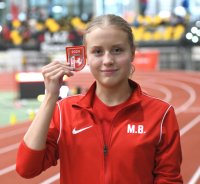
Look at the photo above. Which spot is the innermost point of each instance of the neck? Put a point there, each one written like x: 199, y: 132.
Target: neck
x: 112, y: 96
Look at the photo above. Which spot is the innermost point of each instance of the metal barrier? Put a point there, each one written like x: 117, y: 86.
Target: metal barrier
x: 179, y: 58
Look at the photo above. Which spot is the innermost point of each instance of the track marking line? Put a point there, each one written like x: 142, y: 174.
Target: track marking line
x: 7, y: 169
x: 52, y: 179
x: 176, y: 77
x: 25, y: 122
x: 9, y: 148
x: 190, y: 79
x: 163, y: 89
x: 190, y: 125
x: 181, y: 85
x: 193, y: 110
x: 195, y: 177
x: 13, y: 132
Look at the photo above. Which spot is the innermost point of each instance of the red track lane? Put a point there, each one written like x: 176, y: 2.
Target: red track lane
x: 8, y: 128
x: 189, y: 140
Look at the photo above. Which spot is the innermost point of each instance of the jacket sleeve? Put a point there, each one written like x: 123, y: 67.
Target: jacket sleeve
x: 29, y: 162
x: 168, y: 155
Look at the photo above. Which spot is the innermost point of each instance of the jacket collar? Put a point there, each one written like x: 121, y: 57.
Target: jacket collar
x: 86, y: 101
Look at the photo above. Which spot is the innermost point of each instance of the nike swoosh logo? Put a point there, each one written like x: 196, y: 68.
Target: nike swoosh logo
x: 78, y: 131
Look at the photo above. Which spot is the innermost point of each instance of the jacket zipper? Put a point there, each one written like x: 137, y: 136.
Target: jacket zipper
x: 106, y: 147
x: 105, y: 150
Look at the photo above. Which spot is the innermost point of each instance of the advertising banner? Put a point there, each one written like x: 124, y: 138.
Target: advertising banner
x: 146, y: 60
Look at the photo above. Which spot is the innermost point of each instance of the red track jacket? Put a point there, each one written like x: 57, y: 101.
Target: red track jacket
x: 144, y: 145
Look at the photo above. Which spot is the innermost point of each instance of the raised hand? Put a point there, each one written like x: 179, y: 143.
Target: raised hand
x: 53, y: 76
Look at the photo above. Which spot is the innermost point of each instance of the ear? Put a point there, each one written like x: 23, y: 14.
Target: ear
x: 133, y: 53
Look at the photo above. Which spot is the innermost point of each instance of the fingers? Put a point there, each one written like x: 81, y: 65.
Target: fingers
x: 57, y: 67
x: 53, y: 74
x: 56, y: 64
x: 57, y: 73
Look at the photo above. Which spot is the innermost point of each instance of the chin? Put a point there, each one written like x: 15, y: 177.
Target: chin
x: 109, y: 83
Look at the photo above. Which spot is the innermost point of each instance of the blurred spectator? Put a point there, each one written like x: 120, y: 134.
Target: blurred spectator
x: 6, y: 33
x: 175, y: 20
x: 135, y: 22
x: 50, y: 11
x: 24, y: 31
x: 185, y: 4
x: 143, y: 5
x: 14, y: 10
x: 75, y: 37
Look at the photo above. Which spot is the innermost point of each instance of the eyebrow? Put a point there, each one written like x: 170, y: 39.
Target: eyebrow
x: 95, y: 46
x: 119, y: 44
x: 115, y: 45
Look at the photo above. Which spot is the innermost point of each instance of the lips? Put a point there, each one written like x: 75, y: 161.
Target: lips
x: 109, y: 71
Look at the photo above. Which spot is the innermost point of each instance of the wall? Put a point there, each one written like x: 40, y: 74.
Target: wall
x: 7, y: 82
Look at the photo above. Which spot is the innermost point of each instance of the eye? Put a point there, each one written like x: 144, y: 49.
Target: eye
x: 117, y: 50
x: 97, y: 51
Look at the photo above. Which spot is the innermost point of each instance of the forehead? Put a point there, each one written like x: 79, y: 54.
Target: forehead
x: 105, y: 35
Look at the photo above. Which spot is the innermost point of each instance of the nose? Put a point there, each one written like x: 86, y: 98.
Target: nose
x: 108, y: 59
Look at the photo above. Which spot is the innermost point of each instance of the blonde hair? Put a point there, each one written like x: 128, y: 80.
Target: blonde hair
x: 115, y: 21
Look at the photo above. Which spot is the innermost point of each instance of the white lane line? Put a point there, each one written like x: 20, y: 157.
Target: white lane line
x: 13, y: 132
x: 190, y: 101
x: 52, y: 179
x: 185, y: 87
x: 163, y: 89
x: 7, y: 169
x: 4, y: 127
x: 190, y: 79
x: 9, y: 148
x: 190, y: 125
x: 195, y: 177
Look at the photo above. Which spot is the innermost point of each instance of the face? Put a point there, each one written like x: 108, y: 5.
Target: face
x: 109, y: 55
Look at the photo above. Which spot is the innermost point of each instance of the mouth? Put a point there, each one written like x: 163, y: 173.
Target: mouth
x: 108, y: 71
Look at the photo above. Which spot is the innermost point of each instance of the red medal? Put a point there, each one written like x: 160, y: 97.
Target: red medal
x: 76, y: 57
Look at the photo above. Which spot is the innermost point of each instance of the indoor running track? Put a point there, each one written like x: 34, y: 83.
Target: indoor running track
x: 180, y: 89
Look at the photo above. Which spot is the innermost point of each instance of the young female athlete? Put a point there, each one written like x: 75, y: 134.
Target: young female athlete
x: 113, y: 134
